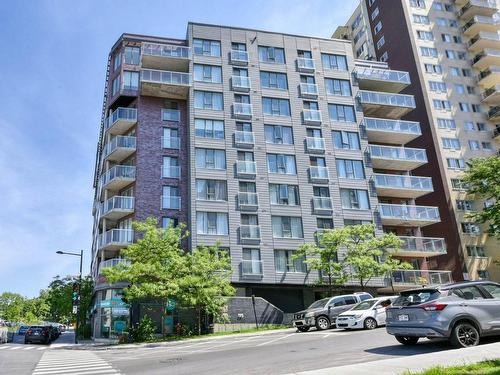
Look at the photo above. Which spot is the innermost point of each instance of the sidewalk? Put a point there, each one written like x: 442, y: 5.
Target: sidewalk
x: 414, y: 363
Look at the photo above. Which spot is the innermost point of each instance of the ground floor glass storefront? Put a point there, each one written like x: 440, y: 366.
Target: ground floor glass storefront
x: 111, y: 316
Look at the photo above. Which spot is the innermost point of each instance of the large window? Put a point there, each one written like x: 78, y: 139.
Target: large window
x: 354, y: 199
x: 213, y: 223
x: 278, y: 134
x: 287, y: 227
x: 130, y: 80
x: 341, y: 113
x: 276, y: 107
x: 282, y: 164
x: 271, y: 55
x: 115, y: 86
x: 345, y: 140
x: 283, y: 194
x: 132, y: 55
x: 210, y: 159
x: 205, y: 47
x: 207, y: 73
x: 336, y: 62
x: 451, y: 143
x: 470, y: 228
x: 455, y: 163
x: 209, y: 128
x: 350, y: 169
x: 340, y: 87
x: 211, y: 190
x: 272, y: 80
x: 208, y: 100
x: 284, y: 262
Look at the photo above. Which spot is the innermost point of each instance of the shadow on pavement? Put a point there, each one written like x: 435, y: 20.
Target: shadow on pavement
x: 423, y: 347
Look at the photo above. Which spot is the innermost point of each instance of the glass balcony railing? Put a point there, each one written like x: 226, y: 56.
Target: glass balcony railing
x: 312, y: 115
x: 171, y: 142
x: 305, y: 64
x: 487, y: 52
x: 242, y: 109
x: 398, y: 153
x: 423, y: 244
x: 487, y: 72
x: 476, y: 3
x: 483, y: 35
x: 490, y: 92
x: 421, y: 277
x: 170, y: 202
x: 121, y: 114
x: 240, y: 82
x: 318, y: 173
x: 119, y: 141
x: 166, y: 50
x: 494, y: 112
x: 171, y: 171
x: 170, y: 115
x: 315, y: 144
x: 119, y: 237
x: 322, y: 203
x: 308, y: 89
x: 381, y: 98
x: 396, y: 126
x: 409, y: 213
x: 383, y: 75
x: 246, y: 167
x: 250, y: 232
x: 403, y: 182
x: 118, y: 172
x: 248, y: 199
x: 244, y: 137
x: 118, y: 203
x: 239, y: 57
x: 251, y: 267
x: 479, y: 20
x: 111, y: 263
x: 166, y: 77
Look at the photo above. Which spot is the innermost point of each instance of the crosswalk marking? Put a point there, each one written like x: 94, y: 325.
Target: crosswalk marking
x: 21, y: 347
x: 73, y: 362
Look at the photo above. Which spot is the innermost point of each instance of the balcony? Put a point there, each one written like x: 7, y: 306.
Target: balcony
x: 171, y: 171
x: 117, y: 207
x: 248, y: 201
x: 251, y: 268
x: 408, y: 216
x: 173, y: 115
x: 305, y: 64
x: 249, y: 233
x: 309, y: 90
x: 312, y: 116
x: 118, y: 177
x: 315, y: 145
x: 121, y: 120
x: 400, y: 186
x: 491, y: 96
x: 397, y: 158
x: 171, y: 142
x: 494, y: 114
x: 413, y: 278
x: 489, y: 77
x: 322, y: 205
x: 119, y: 148
x: 379, y: 104
x: 496, y: 135
x: 319, y: 174
x: 480, y: 23
x: 170, y: 202
x: 165, y: 84
x: 391, y: 131
x: 477, y: 8
x: 487, y: 58
x: 238, y: 57
x: 484, y: 40
x: 377, y: 79
x: 244, y: 138
x: 246, y: 168
x: 165, y: 57
x: 115, y: 239
x: 240, y: 83
x: 242, y: 111
x: 111, y: 263
x: 416, y: 247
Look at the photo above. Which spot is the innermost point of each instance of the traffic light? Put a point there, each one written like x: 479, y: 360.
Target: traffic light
x: 75, y: 294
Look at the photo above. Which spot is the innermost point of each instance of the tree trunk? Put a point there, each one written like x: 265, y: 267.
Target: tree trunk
x: 330, y: 288
x: 362, y: 285
x: 199, y: 320
x: 163, y: 314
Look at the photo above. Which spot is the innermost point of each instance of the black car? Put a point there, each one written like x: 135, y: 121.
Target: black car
x: 40, y: 334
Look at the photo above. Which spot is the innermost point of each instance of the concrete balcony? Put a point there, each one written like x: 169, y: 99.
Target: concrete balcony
x: 376, y: 79
x: 489, y: 77
x: 421, y: 247
x: 165, y: 84
x: 305, y: 64
x: 408, y: 216
x: 414, y: 278
x: 496, y: 135
x: 165, y: 56
x: 246, y: 168
x: 400, y: 186
x: 121, y: 120
x: 322, y: 205
x: 494, y: 114
x: 391, y: 131
x: 380, y: 104
x: 170, y: 202
x: 309, y: 90
x: 491, y: 96
x: 319, y: 174
x: 315, y: 145
x: 171, y: 171
x: 242, y: 111
x: 171, y: 142
x: 487, y: 58
x: 119, y: 148
x: 397, y: 158
x: 249, y: 233
x: 248, y: 201
x: 173, y: 115
x: 477, y: 8
x: 480, y: 23
x: 117, y: 207
x: 244, y: 138
x: 115, y: 239
x: 251, y: 268
x: 312, y: 116
x: 484, y: 40
x: 118, y: 177
x: 111, y: 263
x: 237, y: 57
x: 240, y: 83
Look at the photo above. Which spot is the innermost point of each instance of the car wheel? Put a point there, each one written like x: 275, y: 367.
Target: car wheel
x: 322, y: 323
x: 303, y: 328
x: 464, y: 335
x: 407, y: 340
x: 370, y: 323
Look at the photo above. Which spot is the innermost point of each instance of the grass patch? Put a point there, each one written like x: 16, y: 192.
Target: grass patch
x: 491, y: 367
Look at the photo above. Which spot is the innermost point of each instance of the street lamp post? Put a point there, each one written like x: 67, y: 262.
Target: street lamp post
x: 79, y: 289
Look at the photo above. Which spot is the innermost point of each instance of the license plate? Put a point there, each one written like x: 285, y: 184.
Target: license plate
x: 36, y: 333
x: 403, y: 318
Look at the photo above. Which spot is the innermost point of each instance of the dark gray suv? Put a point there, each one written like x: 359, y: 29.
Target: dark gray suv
x: 461, y: 312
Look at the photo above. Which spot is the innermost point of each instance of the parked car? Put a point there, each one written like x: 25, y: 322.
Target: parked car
x: 322, y: 313
x: 22, y: 330
x: 54, y: 332
x: 461, y: 312
x: 38, y: 334
x: 368, y: 314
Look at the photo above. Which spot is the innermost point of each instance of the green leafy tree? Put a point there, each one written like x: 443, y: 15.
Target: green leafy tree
x: 12, y: 306
x: 483, y: 179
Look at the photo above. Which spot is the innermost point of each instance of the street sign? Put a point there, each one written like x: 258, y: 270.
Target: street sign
x: 75, y: 309
x: 171, y: 303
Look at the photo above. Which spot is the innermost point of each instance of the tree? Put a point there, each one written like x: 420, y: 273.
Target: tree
x: 12, y: 306
x: 482, y: 178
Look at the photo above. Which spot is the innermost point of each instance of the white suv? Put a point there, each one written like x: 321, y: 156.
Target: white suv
x: 367, y: 314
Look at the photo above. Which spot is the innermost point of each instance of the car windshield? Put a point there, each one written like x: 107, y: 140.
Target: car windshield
x: 416, y: 297
x: 365, y: 305
x: 320, y: 303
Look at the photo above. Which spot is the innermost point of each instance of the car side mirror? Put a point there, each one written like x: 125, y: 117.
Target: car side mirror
x: 329, y: 308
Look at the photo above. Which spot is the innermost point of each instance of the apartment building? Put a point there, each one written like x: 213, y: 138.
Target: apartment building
x: 451, y: 50
x: 257, y: 141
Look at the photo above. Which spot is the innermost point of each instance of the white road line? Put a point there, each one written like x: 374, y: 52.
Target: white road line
x: 41, y: 348
x: 276, y: 339
x: 225, y: 344
x: 15, y: 347
x: 76, y: 362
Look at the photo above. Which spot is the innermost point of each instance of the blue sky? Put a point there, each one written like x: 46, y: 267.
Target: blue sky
x: 53, y: 68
